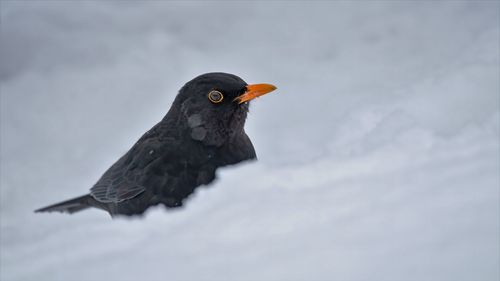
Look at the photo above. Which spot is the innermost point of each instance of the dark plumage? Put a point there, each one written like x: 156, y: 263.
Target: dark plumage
x: 202, y: 131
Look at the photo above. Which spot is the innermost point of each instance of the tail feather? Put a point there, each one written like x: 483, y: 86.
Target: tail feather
x: 70, y: 206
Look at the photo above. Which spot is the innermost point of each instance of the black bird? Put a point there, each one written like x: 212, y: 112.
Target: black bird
x: 202, y: 131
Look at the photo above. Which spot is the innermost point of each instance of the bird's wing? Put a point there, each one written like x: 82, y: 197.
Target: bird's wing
x: 122, y: 181
x: 116, y: 185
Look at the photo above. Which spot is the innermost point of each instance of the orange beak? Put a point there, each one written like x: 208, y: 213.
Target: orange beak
x: 254, y: 91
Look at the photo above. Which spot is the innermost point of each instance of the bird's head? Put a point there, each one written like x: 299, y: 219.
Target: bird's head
x: 214, y: 106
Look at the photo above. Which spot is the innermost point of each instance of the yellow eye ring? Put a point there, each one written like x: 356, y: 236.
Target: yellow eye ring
x: 215, y: 96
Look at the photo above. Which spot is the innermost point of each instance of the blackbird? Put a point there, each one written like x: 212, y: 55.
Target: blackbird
x: 202, y: 131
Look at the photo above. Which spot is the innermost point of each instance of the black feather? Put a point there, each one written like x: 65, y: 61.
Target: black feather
x: 177, y: 155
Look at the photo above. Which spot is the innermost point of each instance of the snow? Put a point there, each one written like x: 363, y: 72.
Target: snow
x: 378, y: 154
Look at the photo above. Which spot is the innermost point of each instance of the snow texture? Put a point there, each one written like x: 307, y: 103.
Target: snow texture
x: 378, y: 153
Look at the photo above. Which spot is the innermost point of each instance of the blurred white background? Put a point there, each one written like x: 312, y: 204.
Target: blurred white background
x: 378, y: 153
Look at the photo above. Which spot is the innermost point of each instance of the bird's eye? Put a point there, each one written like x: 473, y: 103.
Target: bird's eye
x: 215, y: 96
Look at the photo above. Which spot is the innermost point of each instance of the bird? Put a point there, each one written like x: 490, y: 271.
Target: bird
x: 202, y: 131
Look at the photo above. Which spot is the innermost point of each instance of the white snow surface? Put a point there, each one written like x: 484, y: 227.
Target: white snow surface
x: 378, y: 153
